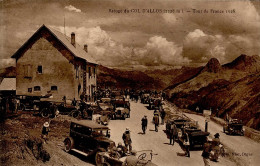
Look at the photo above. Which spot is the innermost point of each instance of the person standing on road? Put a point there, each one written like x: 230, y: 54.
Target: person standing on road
x: 156, y: 121
x: 173, y: 133
x: 162, y: 115
x: 144, y: 123
x: 186, y: 144
x: 45, y: 131
x: 127, y: 139
x: 206, y: 152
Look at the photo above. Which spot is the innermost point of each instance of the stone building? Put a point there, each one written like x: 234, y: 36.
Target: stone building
x: 50, y: 62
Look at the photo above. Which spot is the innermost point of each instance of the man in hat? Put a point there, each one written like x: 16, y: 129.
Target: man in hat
x: 156, y: 121
x: 127, y: 139
x: 45, y: 131
x: 144, y: 123
x: 216, y: 140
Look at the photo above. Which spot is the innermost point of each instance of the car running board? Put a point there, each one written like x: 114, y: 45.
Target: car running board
x: 80, y: 152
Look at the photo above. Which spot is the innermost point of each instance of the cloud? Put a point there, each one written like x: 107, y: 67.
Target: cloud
x: 158, y: 51
x: 7, y: 62
x: 199, y: 47
x: 72, y: 9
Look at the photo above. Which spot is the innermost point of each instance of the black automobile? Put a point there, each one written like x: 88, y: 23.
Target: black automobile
x: 234, y: 127
x: 88, y: 138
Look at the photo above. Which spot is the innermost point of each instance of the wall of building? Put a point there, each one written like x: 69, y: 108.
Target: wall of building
x: 56, y: 71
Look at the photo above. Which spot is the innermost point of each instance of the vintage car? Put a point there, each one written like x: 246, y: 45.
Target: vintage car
x: 49, y: 107
x: 105, y: 104
x: 155, y: 103
x: 121, y: 110
x: 191, y: 135
x: 145, y: 98
x: 29, y: 103
x: 234, y: 127
x: 88, y: 138
x: 178, y: 121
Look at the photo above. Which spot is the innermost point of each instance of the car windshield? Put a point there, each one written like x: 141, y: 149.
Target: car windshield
x: 100, y: 132
x: 120, y: 105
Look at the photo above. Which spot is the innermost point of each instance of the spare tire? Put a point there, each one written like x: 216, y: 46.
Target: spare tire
x: 69, y: 144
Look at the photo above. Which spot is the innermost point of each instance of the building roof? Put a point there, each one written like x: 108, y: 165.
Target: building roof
x: 77, y: 51
x: 90, y: 124
x: 8, y: 84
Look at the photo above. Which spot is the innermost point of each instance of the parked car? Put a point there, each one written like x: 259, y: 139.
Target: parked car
x: 121, y: 110
x: 234, y: 127
x: 88, y: 138
x: 155, y: 103
x: 194, y: 136
x: 145, y: 98
x: 29, y: 103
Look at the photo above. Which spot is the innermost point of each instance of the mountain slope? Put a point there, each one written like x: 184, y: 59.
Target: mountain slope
x: 116, y: 78
x: 233, y: 88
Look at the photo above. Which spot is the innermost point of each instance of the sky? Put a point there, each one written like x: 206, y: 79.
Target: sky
x: 151, y: 34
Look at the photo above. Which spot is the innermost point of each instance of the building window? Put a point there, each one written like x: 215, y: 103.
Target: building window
x: 54, y: 88
x: 89, y: 72
x: 27, y: 71
x: 39, y: 69
x: 37, y: 88
x: 94, y: 72
x: 30, y: 90
x: 77, y: 72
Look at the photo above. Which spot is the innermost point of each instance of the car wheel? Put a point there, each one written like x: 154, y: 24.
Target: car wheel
x: 124, y: 117
x: 98, y: 159
x: 69, y: 144
x: 75, y: 114
x: 45, y: 113
x: 22, y: 107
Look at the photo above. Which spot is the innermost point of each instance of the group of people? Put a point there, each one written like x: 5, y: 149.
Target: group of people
x: 144, y: 121
x: 211, y: 145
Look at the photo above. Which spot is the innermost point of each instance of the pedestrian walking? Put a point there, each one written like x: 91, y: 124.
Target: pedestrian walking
x: 45, y: 131
x: 144, y: 123
x: 127, y: 139
x: 163, y: 115
x: 156, y: 121
x: 206, y: 152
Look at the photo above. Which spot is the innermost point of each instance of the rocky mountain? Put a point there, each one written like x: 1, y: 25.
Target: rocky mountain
x: 232, y: 89
x: 116, y: 78
x: 8, y: 72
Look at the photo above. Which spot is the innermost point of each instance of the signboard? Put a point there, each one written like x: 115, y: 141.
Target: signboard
x: 206, y: 113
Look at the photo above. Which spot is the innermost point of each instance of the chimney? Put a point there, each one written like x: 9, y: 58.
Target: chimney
x: 73, y: 39
x: 86, y: 47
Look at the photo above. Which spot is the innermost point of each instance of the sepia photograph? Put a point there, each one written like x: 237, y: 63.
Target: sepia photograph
x: 129, y: 82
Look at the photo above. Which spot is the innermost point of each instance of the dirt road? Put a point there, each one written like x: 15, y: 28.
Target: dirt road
x: 156, y: 141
